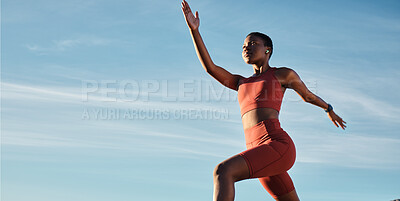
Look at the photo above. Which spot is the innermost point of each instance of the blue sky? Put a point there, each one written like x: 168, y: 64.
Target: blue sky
x: 106, y: 100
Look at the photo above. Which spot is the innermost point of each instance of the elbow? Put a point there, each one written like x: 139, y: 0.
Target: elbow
x: 309, y: 98
x: 209, y: 68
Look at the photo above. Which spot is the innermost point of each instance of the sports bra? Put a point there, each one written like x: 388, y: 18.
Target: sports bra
x: 262, y: 91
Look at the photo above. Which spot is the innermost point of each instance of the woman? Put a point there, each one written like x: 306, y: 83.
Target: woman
x: 270, y: 151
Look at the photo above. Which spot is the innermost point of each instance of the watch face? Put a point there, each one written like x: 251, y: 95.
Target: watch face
x: 329, y: 108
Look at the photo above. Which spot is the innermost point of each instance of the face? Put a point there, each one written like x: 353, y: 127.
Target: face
x: 254, y: 50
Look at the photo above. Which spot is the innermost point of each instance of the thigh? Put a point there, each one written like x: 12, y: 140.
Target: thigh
x: 278, y: 185
x: 269, y: 159
x: 235, y: 167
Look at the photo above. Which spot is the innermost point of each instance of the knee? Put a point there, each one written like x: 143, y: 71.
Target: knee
x: 221, y: 170
x: 234, y: 168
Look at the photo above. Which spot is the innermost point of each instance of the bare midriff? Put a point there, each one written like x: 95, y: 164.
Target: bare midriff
x: 252, y: 117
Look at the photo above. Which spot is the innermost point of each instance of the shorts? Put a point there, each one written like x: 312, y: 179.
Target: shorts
x: 270, y: 154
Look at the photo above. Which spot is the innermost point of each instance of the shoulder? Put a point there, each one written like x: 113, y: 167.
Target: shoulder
x: 238, y: 81
x: 286, y: 75
x: 238, y: 78
x: 285, y: 72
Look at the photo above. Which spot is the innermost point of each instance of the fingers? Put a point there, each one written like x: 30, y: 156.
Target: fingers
x: 342, y: 124
x: 197, y: 14
x: 185, y: 8
x: 337, y: 120
x: 335, y: 123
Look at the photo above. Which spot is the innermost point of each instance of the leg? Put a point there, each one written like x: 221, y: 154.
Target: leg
x: 226, y: 174
x: 280, y: 187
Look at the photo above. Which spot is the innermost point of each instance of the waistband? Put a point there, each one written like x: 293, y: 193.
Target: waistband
x: 263, y: 130
x: 270, y: 125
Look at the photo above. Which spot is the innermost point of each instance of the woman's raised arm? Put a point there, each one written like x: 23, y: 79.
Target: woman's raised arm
x: 220, y: 74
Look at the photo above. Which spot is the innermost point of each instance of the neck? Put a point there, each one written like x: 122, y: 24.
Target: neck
x: 258, y: 69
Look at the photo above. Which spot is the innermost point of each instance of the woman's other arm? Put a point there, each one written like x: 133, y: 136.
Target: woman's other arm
x: 294, y: 82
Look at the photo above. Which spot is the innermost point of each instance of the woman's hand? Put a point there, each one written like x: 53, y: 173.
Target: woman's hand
x: 336, y: 119
x: 192, y: 21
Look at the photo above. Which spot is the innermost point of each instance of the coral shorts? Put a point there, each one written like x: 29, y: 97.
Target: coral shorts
x: 270, y: 154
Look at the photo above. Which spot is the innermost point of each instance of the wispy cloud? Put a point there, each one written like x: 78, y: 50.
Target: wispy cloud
x: 380, y: 22
x: 67, y: 44
x: 20, y: 92
x: 355, y: 98
x: 102, y: 97
x: 129, y: 136
x: 49, y: 140
x: 359, y: 95
x: 350, y: 150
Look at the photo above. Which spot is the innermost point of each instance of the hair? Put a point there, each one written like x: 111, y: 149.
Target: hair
x: 267, y: 40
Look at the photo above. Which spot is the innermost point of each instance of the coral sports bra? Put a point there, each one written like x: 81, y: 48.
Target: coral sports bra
x: 262, y: 91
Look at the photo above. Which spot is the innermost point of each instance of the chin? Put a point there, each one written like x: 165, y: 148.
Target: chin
x: 247, y: 61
